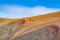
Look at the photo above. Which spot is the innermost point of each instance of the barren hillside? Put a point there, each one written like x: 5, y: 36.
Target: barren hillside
x: 42, y: 27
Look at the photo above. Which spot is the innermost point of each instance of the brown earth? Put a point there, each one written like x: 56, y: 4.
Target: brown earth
x: 42, y: 27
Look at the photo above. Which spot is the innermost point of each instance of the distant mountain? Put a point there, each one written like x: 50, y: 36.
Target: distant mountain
x: 42, y: 27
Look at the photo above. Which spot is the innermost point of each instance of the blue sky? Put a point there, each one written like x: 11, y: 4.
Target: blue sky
x: 26, y: 8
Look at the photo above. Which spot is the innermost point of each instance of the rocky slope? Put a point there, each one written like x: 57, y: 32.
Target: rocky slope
x: 42, y: 27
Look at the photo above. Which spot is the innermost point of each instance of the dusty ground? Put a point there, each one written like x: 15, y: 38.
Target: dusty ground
x: 44, y: 27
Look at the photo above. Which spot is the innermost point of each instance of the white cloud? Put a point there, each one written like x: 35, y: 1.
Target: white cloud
x: 9, y: 11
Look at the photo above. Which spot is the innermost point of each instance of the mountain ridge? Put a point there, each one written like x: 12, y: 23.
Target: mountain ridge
x: 23, y: 26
